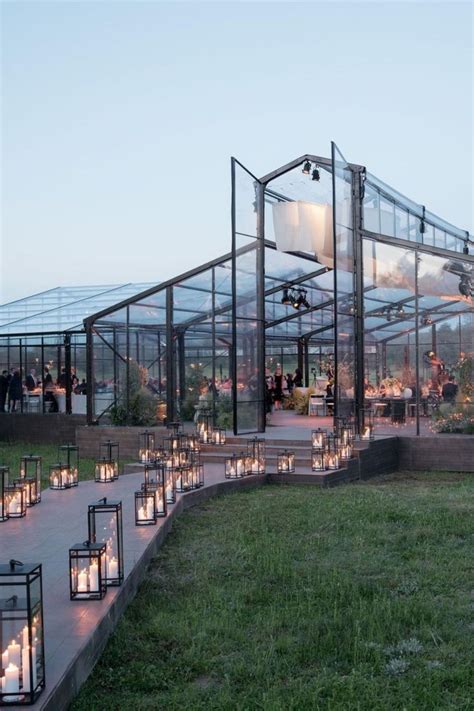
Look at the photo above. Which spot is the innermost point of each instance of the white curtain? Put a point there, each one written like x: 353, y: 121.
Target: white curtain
x: 301, y: 226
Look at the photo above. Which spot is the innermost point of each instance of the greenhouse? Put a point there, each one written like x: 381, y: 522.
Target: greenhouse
x: 363, y: 297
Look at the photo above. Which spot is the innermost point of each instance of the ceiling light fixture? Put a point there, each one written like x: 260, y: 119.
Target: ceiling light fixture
x: 307, y: 167
x: 316, y: 175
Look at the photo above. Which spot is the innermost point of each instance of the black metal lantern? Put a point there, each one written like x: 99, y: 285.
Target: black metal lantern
x: 110, y: 451
x: 61, y: 476
x: 21, y: 633
x: 146, y: 452
x: 105, y: 526
x: 175, y: 427
x: 345, y: 449
x: 87, y: 571
x: 30, y: 466
x: 193, y: 443
x: 183, y: 478
x: 172, y: 443
x: 236, y: 466
x: 332, y: 454
x: 197, y: 475
x: 286, y: 462
x: 256, y: 456
x: 159, y: 454
x: 319, y: 439
x: 154, y: 473
x: 346, y: 434
x: 106, y: 471
x: 15, y: 500
x: 172, y: 460
x: 366, y: 424
x: 318, y: 460
x: 170, y: 485
x: 157, y: 490
x: 204, y: 426
x: 29, y: 485
x: 4, y: 476
x: 145, y: 508
x: 218, y: 436
x: 69, y: 454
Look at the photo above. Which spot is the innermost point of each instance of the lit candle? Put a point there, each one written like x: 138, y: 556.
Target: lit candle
x: 94, y: 576
x: 12, y: 680
x: 14, y: 653
x: 141, y: 513
x: 112, y: 571
x: 25, y: 660
x: 82, y: 581
x: 5, y: 659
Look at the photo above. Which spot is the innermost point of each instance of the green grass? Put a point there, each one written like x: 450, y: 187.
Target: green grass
x: 359, y: 597
x: 10, y: 456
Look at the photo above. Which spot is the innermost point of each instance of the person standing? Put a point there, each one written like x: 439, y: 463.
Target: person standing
x: 278, y: 389
x: 449, y: 391
x: 298, y: 378
x: 15, y: 390
x: 31, y: 381
x: 3, y: 389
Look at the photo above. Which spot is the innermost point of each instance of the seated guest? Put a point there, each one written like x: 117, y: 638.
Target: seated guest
x: 450, y: 390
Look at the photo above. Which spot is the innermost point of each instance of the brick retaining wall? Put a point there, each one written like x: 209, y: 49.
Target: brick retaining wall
x: 39, y: 428
x: 444, y: 452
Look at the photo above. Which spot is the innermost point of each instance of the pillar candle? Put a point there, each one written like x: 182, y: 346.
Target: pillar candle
x: 82, y: 581
x: 94, y: 577
x: 25, y: 660
x: 112, y: 568
x: 5, y: 659
x: 14, y: 653
x: 12, y: 679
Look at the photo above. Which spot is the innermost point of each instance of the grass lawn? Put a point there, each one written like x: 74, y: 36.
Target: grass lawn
x: 10, y: 455
x: 359, y: 597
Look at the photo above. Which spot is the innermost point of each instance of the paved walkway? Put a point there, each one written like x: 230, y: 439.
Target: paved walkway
x: 45, y: 536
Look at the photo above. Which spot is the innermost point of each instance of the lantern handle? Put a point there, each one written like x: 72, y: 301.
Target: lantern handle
x: 86, y: 543
x: 102, y: 501
x: 13, y: 599
x: 14, y: 563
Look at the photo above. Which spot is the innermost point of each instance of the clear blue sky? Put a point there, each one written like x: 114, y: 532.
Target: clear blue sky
x: 119, y: 120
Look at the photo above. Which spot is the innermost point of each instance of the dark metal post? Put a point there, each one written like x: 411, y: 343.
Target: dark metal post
x: 181, y: 366
x: 357, y: 217
x: 334, y: 273
x: 433, y: 338
x: 305, y: 361
x: 21, y: 375
x: 43, y: 408
x: 213, y: 337
x: 300, y: 354
x: 233, y: 361
x: 89, y: 374
x: 260, y: 369
x: 417, y: 346
x: 127, y: 364
x: 170, y: 350
x: 115, y: 373
x: 67, y: 363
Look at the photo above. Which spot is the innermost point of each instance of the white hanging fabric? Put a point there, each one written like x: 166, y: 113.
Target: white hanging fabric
x: 301, y: 226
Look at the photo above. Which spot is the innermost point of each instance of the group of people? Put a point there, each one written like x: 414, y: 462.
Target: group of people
x: 274, y: 387
x: 12, y: 387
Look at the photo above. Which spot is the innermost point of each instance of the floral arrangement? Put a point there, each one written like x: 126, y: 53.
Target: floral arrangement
x: 458, y: 422
x: 391, y: 383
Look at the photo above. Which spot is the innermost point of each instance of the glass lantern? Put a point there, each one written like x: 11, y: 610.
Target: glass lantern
x: 15, y: 500
x: 184, y: 457
x: 170, y: 485
x: 204, y: 426
x: 345, y: 451
x: 105, y: 526
x: 175, y: 427
x: 145, y: 508
x: 256, y: 456
x: 29, y: 484
x: 197, y: 475
x: 146, y: 452
x: 366, y: 425
x: 172, y: 443
x: 106, y: 471
x: 193, y: 443
x: 21, y: 633
x: 4, y: 475
x: 159, y: 455
x: 110, y: 451
x: 319, y: 439
x: 87, y: 571
x: 286, y: 462
x: 318, y: 460
x: 60, y: 476
x: 332, y: 453
x: 218, y: 436
x: 235, y: 466
x: 183, y: 478
x: 346, y: 434
x: 30, y: 466
x: 69, y: 454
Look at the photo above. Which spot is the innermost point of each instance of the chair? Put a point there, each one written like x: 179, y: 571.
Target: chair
x: 317, y: 405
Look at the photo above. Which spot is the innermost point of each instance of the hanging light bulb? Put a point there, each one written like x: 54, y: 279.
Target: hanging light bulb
x: 307, y: 168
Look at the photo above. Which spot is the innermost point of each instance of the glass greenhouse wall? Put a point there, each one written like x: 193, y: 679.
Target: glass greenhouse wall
x: 333, y: 275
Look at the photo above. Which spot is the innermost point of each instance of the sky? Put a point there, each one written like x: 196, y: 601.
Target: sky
x: 119, y: 119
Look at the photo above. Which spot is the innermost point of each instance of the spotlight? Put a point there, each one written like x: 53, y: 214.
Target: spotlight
x: 400, y: 310
x: 422, y: 227
x: 307, y: 168
x: 299, y: 299
x: 465, y: 249
x: 315, y: 174
x: 304, y: 301
x: 466, y: 286
x: 389, y: 314
x: 286, y: 298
